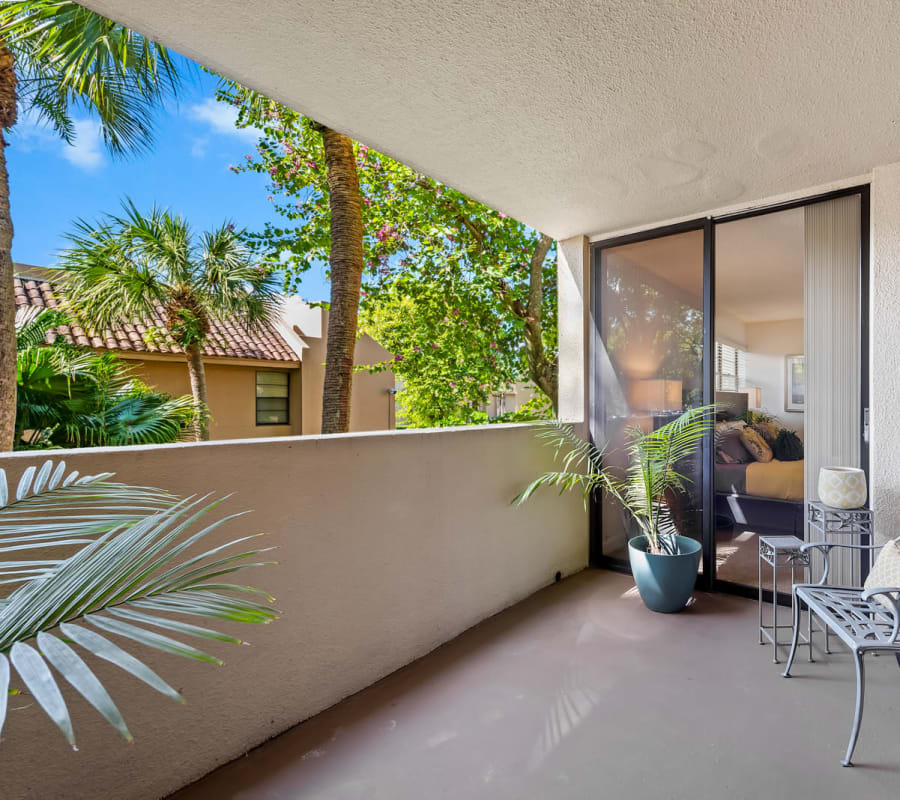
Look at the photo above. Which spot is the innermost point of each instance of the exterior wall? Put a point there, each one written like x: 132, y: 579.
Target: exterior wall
x: 573, y: 274
x: 232, y: 394
x: 767, y: 345
x: 884, y: 327
x: 884, y: 351
x: 371, y: 402
x: 389, y: 545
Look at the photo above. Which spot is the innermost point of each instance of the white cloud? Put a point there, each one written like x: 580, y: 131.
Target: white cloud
x: 198, y: 148
x: 221, y: 118
x: 87, y: 150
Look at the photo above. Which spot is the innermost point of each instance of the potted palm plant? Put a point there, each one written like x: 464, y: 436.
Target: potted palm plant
x: 663, y: 561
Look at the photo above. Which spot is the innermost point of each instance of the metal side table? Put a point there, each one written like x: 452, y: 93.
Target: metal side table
x: 780, y: 552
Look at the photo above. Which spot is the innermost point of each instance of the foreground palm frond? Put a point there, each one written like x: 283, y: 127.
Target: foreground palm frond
x: 655, y: 459
x: 138, y: 561
x: 51, y: 509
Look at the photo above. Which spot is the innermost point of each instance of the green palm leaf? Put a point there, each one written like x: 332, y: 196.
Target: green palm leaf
x: 652, y: 472
x: 135, y: 569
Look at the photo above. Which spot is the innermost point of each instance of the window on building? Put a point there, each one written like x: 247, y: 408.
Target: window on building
x: 272, y: 398
x: 731, y: 374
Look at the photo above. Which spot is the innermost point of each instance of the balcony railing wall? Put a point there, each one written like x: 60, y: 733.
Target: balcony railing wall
x: 389, y: 545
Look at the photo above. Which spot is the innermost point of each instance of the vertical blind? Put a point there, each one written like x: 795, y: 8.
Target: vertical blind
x: 731, y: 373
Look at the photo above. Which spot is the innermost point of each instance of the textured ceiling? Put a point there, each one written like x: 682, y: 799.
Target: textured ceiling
x: 575, y: 116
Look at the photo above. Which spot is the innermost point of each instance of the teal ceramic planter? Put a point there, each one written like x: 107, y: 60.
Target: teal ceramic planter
x: 664, y: 582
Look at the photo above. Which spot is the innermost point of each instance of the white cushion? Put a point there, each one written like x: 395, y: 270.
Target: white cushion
x: 885, y: 571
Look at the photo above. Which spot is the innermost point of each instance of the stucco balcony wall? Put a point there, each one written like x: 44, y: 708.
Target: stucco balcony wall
x: 389, y: 545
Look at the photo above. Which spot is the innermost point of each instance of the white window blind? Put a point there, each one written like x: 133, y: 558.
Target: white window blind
x: 731, y: 374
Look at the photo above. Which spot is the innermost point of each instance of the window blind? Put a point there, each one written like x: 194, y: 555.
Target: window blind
x: 731, y: 374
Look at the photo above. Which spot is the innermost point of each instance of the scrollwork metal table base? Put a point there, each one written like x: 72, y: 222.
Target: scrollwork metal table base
x: 780, y: 552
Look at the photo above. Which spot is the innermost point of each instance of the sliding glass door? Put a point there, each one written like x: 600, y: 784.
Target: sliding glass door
x: 763, y: 312
x: 648, y: 362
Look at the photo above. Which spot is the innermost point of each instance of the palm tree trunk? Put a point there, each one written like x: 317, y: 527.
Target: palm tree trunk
x: 198, y: 390
x: 346, y: 277
x: 7, y: 292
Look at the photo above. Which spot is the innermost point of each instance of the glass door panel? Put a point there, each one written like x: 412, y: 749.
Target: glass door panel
x: 650, y: 362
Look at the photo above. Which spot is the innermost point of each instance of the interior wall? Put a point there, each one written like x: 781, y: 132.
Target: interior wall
x: 767, y: 345
x: 389, y: 544
x: 730, y: 330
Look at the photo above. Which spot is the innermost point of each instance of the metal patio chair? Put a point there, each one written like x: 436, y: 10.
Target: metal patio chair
x: 856, y: 617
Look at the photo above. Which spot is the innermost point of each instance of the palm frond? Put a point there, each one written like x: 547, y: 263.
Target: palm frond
x: 70, y: 57
x: 51, y: 508
x: 139, y: 565
x: 652, y: 471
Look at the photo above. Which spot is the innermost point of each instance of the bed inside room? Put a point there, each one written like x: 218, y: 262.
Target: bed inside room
x: 760, y: 389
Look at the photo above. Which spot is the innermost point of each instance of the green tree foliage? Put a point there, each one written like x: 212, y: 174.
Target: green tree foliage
x: 134, y: 266
x: 72, y: 396
x: 462, y: 295
x: 57, y: 57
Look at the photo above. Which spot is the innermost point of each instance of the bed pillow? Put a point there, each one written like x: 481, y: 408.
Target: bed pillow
x: 767, y: 430
x: 885, y: 572
x: 788, y: 446
x: 730, y: 448
x: 757, y: 446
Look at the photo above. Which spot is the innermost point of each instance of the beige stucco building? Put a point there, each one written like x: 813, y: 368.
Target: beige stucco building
x: 263, y: 384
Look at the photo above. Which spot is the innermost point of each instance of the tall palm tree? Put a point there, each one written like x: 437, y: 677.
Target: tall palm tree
x: 56, y: 57
x: 346, y: 261
x: 136, y: 267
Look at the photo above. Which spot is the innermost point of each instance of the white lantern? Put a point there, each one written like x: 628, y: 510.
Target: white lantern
x: 842, y: 487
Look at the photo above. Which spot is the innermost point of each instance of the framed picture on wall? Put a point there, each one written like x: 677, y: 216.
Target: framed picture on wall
x: 794, y: 383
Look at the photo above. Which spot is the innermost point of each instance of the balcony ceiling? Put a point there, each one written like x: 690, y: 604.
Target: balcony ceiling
x: 575, y: 116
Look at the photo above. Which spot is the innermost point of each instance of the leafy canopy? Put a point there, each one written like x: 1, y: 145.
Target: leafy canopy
x: 69, y: 58
x: 133, y: 266
x: 446, y: 278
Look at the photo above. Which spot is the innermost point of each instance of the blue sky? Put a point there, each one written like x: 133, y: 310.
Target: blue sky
x: 52, y: 183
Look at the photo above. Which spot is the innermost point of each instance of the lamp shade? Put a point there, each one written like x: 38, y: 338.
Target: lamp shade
x: 842, y: 487
x: 656, y: 394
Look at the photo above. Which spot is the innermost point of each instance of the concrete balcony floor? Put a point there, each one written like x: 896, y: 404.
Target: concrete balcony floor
x: 580, y: 692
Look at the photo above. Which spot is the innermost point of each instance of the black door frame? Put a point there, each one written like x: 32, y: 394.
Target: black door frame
x: 707, y: 579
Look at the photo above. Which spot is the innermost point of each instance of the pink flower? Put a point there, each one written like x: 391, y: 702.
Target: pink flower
x: 312, y: 164
x: 434, y: 345
x: 273, y: 171
x: 502, y: 215
x: 232, y: 167
x: 398, y: 358
x: 270, y: 198
x: 248, y: 156
x: 367, y: 201
x: 452, y: 384
x: 363, y: 150
x: 417, y: 349
x: 493, y: 345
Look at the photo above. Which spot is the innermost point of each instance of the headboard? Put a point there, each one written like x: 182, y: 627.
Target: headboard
x: 733, y: 404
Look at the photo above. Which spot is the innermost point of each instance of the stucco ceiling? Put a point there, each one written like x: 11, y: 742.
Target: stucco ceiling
x: 575, y: 116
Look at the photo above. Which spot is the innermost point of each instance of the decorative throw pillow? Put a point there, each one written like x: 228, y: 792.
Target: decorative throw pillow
x: 767, y: 430
x: 788, y: 446
x: 730, y: 446
x: 756, y: 444
x: 885, y: 571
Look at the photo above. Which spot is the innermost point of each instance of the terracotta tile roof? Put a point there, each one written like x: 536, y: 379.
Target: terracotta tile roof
x: 226, y: 339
